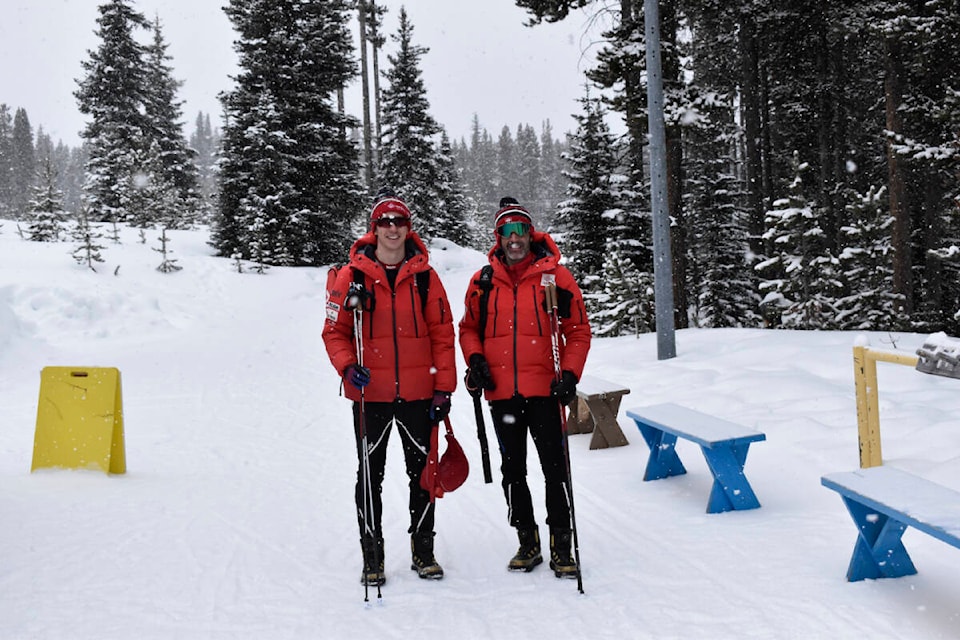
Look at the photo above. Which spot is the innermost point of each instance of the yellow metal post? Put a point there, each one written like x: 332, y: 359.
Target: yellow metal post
x: 868, y: 436
x: 868, y: 400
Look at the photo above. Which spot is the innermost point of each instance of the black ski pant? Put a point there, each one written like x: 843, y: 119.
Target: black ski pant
x: 413, y: 425
x: 512, y: 420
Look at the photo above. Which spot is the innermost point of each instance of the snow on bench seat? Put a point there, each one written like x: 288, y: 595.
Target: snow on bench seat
x: 883, y: 501
x: 724, y: 445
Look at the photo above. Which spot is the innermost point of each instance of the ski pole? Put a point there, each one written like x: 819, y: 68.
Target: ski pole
x: 550, y: 291
x: 481, y: 429
x: 355, y: 298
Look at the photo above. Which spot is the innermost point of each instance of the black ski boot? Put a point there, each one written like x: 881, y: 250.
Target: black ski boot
x: 372, y: 561
x: 561, y: 561
x: 421, y: 547
x: 528, y: 555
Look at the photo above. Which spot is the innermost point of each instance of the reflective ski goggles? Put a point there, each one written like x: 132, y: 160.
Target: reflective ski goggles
x: 393, y: 221
x: 508, y: 229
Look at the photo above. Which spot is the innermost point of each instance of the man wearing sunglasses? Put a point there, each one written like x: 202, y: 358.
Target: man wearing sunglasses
x: 505, y: 336
x: 408, y: 370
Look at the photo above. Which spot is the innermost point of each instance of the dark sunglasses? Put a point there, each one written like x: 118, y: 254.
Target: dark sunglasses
x: 519, y: 228
x: 395, y: 221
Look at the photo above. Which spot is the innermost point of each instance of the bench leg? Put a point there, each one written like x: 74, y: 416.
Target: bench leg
x: 579, y: 420
x: 663, y: 461
x: 879, y: 550
x: 730, y: 487
x: 607, y: 432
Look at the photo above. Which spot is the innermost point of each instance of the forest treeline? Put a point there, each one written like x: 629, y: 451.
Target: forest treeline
x: 812, y: 158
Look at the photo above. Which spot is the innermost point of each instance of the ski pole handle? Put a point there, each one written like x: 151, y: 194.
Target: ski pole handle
x: 550, y: 292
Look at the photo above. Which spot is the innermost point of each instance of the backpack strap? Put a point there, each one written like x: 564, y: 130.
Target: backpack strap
x: 423, y: 287
x: 485, y: 282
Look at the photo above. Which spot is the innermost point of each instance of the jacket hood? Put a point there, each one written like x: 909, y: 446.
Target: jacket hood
x: 546, y: 254
x: 362, y: 253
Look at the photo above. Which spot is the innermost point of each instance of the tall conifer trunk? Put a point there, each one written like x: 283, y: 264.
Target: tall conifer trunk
x: 365, y: 88
x: 902, y: 284
x: 750, y: 110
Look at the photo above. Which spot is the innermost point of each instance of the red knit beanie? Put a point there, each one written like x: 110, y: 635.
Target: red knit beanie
x: 387, y: 202
x: 511, y: 211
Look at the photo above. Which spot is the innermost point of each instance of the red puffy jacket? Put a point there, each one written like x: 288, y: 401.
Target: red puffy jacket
x: 517, y: 342
x: 408, y: 347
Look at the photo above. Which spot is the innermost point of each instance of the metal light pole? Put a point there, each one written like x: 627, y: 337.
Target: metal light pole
x: 662, y: 261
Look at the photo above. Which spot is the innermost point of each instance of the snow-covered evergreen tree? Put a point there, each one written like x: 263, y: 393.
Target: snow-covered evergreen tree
x: 865, y: 264
x: 47, y: 217
x: 508, y: 165
x: 172, y: 161
x: 87, y: 236
x: 285, y: 144
x: 410, y: 160
x: 205, y: 142
x: 114, y: 94
x: 528, y: 178
x: 169, y: 265
x: 456, y: 219
x: 805, y: 284
x: 624, y: 303
x: 24, y: 163
x: 583, y: 218
x: 720, y: 277
x: 6, y: 162
x: 481, y: 172
x: 552, y: 183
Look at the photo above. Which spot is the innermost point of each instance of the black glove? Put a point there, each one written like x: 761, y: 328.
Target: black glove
x: 440, y: 407
x: 478, y: 375
x: 356, y: 375
x: 564, y: 389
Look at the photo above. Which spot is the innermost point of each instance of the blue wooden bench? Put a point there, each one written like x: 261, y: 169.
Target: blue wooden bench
x: 883, y: 501
x: 724, y: 445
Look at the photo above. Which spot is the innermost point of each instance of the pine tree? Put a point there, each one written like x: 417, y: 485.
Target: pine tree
x: 410, y: 161
x: 582, y: 219
x: 870, y: 304
x: 508, y: 165
x: 722, y: 283
x: 286, y: 162
x: 6, y: 162
x: 47, y: 217
x: 456, y: 216
x: 169, y: 265
x: 205, y: 143
x: 552, y: 183
x: 87, y: 237
x: 720, y: 278
x: 624, y: 303
x: 528, y: 178
x: 483, y: 179
x: 806, y: 284
x: 172, y: 160
x: 24, y: 163
x: 114, y: 94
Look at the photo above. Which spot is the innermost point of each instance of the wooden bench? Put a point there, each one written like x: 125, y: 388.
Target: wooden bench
x: 596, y: 408
x: 724, y: 445
x: 883, y: 501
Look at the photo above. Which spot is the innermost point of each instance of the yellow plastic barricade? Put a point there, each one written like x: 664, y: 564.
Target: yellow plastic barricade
x: 80, y: 420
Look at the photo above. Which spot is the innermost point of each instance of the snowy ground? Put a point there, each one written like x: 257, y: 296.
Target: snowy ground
x: 235, y: 519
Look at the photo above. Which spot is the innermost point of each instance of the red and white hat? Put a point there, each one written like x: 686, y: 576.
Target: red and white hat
x: 388, y: 203
x: 511, y: 211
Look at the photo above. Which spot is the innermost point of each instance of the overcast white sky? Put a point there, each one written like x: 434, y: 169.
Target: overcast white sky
x: 482, y: 60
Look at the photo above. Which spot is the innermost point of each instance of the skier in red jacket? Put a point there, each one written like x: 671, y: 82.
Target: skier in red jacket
x: 512, y: 362
x: 408, y: 371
